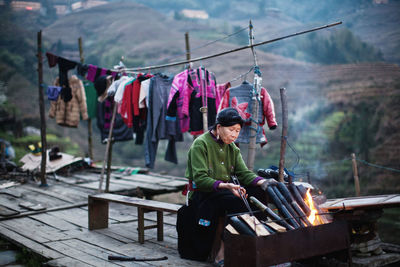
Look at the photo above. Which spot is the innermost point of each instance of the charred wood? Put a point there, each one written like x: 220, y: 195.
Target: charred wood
x: 299, y: 199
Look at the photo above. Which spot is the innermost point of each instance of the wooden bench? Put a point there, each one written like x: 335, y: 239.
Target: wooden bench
x: 98, y: 212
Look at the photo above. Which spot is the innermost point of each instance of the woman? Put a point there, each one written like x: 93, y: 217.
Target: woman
x: 212, y: 159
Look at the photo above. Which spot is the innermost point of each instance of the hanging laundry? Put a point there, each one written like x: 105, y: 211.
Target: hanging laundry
x: 101, y: 84
x: 51, y: 59
x: 220, y: 90
x: 94, y: 72
x: 104, y: 115
x: 240, y: 98
x: 91, y: 101
x: 193, y: 89
x: 53, y: 92
x: 158, y: 128
x: 68, y: 113
x: 82, y: 69
x: 64, y: 65
x: 144, y: 91
x: 120, y: 86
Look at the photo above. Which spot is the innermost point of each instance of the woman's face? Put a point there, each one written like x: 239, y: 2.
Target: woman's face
x: 228, y: 134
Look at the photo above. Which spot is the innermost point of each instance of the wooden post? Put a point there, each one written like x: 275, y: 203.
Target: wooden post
x: 41, y: 109
x: 108, y: 148
x: 355, y: 174
x: 109, y: 160
x: 284, y: 133
x: 187, y: 46
x: 254, y: 123
x: 89, y: 121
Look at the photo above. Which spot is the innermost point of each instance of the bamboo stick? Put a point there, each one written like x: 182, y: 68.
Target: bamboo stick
x: 43, y: 180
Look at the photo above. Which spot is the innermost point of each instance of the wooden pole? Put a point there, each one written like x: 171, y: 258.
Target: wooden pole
x: 254, y: 123
x: 284, y: 133
x: 89, y: 121
x: 108, y: 148
x: 109, y: 160
x: 41, y: 109
x: 187, y: 45
x: 355, y: 174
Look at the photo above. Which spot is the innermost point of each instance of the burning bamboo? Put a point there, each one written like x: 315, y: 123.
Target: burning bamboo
x: 299, y: 199
x: 282, y: 209
x: 270, y: 213
x: 294, y: 214
x: 288, y: 196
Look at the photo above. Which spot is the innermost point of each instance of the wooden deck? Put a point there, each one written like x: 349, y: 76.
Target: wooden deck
x: 53, y: 222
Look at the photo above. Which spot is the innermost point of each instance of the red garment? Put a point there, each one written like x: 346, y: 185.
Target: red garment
x: 268, y: 111
x: 136, y: 92
x: 126, y: 108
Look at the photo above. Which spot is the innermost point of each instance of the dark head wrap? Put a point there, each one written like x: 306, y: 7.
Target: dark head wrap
x: 228, y: 117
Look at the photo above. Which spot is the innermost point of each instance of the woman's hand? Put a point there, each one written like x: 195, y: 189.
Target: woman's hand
x: 264, y: 183
x: 235, y: 189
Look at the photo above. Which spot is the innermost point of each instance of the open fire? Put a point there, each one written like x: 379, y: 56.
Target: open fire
x: 295, y: 207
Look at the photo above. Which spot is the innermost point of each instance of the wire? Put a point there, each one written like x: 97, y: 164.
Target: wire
x: 377, y: 166
x: 205, y: 45
x: 232, y: 50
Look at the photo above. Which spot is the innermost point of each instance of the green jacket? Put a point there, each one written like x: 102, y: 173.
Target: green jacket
x: 210, y: 161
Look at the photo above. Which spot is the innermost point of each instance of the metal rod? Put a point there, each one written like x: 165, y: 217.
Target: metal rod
x: 246, y: 203
x: 42, y: 115
x: 233, y: 50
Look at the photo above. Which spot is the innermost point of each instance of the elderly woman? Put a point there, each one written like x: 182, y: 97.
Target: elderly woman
x: 212, y: 159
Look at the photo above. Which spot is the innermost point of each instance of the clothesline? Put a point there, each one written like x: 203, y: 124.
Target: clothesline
x: 128, y: 70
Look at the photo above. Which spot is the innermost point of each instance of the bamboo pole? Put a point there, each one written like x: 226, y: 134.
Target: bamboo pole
x: 284, y: 133
x: 355, y: 174
x: 89, y: 121
x: 187, y: 44
x: 254, y: 122
x: 108, y: 148
x: 42, y: 115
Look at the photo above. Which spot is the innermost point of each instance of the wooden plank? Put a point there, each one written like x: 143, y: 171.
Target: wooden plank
x: 47, y: 191
x: 254, y: 224
x: 31, y: 206
x: 4, y: 211
x: 134, y: 184
x: 35, y: 230
x: 276, y: 226
x: 23, y: 241
x: 231, y: 229
x: 75, y: 216
x: 142, y: 178
x: 113, y: 187
x: 11, y: 191
x: 67, y: 261
x: 54, y: 221
x: 101, y: 252
x: 134, y: 201
x: 174, y: 183
x: 29, y: 213
x: 381, y: 201
x: 78, y: 254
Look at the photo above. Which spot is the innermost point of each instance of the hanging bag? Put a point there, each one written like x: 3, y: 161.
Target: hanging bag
x: 53, y: 92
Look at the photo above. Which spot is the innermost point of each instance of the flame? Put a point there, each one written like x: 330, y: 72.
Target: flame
x: 310, y: 203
